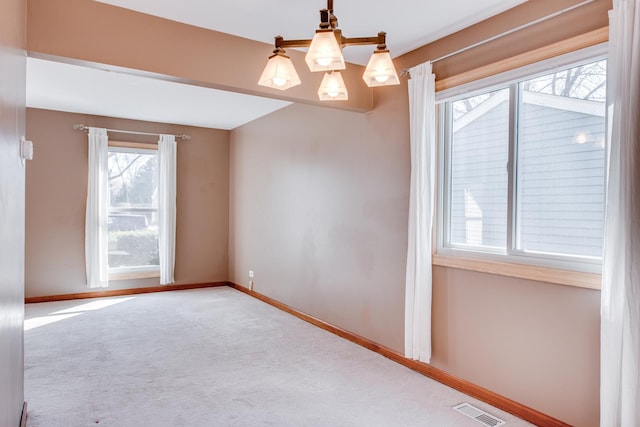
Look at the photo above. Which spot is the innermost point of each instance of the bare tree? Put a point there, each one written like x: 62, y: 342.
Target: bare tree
x: 129, y: 176
x: 586, y: 82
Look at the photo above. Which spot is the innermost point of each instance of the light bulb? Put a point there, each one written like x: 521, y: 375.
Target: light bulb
x: 279, y: 81
x: 333, y: 94
x: 382, y: 78
x: 323, y: 61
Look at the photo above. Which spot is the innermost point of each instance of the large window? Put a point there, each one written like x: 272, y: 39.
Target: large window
x: 133, y: 210
x: 523, y: 171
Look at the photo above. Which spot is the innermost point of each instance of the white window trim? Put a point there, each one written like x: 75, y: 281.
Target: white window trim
x: 582, y: 272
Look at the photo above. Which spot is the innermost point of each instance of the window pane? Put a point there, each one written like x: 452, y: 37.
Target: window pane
x: 560, y: 162
x: 479, y: 150
x: 133, y: 213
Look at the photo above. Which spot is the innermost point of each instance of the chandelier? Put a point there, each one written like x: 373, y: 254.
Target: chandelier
x: 325, y: 54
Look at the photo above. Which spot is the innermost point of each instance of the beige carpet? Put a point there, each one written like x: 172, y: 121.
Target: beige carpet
x: 215, y: 357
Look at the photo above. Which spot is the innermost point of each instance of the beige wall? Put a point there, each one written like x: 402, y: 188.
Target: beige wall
x: 12, y: 171
x: 319, y: 205
x: 318, y: 212
x: 56, y: 197
x: 536, y: 343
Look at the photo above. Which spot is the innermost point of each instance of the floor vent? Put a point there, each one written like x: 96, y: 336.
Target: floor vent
x: 478, y: 415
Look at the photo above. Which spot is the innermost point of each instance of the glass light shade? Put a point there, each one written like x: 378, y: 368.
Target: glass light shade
x: 324, y: 53
x: 380, y: 70
x: 279, y: 73
x: 333, y: 88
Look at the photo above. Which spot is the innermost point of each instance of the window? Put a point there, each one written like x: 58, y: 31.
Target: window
x: 133, y: 210
x: 524, y: 169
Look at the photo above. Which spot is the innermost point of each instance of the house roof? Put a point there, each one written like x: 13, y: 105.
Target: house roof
x: 582, y: 106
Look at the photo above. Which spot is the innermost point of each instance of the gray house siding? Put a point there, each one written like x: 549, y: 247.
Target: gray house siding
x: 560, y: 180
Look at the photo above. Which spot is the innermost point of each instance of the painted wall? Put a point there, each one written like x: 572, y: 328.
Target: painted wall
x: 317, y: 215
x: 318, y: 210
x: 56, y: 201
x: 12, y: 172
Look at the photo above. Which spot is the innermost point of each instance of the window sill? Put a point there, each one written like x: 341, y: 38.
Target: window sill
x: 521, y: 271
x: 134, y: 275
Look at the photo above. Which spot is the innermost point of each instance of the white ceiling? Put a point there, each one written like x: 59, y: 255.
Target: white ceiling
x: 76, y: 89
x: 409, y: 24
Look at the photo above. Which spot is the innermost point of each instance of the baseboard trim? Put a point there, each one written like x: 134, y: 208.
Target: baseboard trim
x: 122, y: 292
x: 526, y: 413
x: 23, y: 417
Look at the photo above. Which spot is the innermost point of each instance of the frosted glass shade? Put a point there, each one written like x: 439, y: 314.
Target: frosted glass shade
x: 380, y: 70
x: 324, y: 54
x: 333, y: 88
x: 279, y: 73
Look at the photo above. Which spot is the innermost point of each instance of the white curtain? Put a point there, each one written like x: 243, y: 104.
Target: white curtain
x: 417, y: 334
x: 620, y: 306
x: 96, y: 244
x: 167, y: 207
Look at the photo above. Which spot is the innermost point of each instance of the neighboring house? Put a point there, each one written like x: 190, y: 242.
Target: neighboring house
x: 555, y: 153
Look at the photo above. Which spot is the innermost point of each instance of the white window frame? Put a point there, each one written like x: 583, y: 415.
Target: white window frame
x: 497, y: 261
x: 140, y: 272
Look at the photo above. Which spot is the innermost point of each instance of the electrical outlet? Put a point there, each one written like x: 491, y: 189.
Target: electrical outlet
x: 250, y: 285
x: 251, y: 274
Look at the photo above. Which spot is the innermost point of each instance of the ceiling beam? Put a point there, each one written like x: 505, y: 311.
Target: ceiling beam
x: 91, y: 32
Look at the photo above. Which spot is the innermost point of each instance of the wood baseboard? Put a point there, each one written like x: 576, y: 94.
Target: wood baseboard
x: 526, y: 413
x: 23, y: 417
x: 122, y: 292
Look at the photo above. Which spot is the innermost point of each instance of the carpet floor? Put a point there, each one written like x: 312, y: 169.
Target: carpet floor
x: 215, y: 357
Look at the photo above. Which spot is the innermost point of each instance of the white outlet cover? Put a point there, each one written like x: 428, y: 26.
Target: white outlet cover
x: 250, y: 273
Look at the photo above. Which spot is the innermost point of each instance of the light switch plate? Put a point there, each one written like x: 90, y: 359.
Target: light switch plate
x: 26, y: 149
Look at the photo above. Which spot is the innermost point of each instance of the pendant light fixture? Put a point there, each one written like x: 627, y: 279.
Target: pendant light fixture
x: 279, y: 72
x: 332, y: 87
x: 325, y: 54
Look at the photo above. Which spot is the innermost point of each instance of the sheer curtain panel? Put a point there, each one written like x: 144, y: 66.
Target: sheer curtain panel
x: 96, y: 222
x: 620, y: 304
x: 421, y: 200
x: 167, y: 207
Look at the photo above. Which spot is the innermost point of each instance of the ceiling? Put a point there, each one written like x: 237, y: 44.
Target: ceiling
x: 409, y: 24
x: 76, y: 89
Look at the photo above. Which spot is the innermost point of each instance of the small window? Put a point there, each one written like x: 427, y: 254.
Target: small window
x: 133, y: 210
x: 524, y: 169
